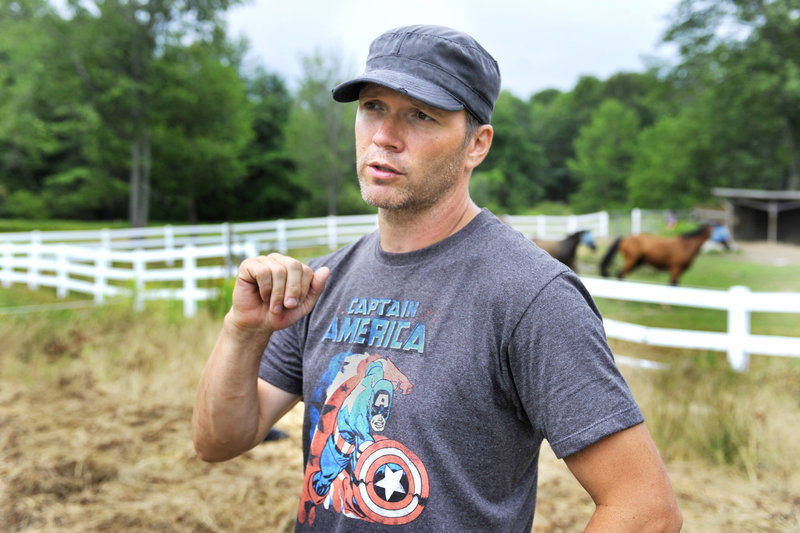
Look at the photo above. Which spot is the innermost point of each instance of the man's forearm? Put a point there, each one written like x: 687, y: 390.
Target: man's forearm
x: 226, y: 420
x: 653, y: 519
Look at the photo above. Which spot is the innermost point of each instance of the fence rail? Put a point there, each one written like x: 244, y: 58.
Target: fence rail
x: 738, y: 301
x: 188, y: 263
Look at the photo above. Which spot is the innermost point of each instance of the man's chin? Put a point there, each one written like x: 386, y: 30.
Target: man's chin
x: 382, y: 201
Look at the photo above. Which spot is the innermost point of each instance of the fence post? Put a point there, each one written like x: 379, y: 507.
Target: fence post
x: 61, y: 271
x: 636, y: 221
x: 105, y: 239
x: 572, y: 224
x: 169, y: 243
x: 738, y: 327
x: 139, y: 271
x: 6, y: 258
x: 101, y: 273
x: 35, y: 250
x: 227, y: 242
x: 250, y: 249
x: 604, y: 224
x: 332, y: 232
x: 189, y: 281
x: 541, y: 226
x: 283, y: 247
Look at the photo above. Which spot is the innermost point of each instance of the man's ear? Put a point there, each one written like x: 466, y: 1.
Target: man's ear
x: 479, y: 145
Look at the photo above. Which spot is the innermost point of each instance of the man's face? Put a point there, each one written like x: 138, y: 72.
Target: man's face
x: 409, y: 155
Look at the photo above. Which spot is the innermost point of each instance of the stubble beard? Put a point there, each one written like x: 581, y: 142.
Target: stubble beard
x: 439, y: 176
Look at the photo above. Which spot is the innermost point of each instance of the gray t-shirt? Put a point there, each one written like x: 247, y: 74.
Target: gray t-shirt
x: 430, y: 379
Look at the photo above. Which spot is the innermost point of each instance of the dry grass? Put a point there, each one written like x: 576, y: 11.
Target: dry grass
x: 95, y: 409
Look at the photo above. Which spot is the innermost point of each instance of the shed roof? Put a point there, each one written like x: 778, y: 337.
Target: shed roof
x: 755, y: 194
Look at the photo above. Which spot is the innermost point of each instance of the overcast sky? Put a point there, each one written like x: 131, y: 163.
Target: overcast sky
x: 538, y: 43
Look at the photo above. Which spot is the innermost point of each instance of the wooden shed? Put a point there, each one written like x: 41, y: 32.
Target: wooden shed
x: 757, y: 215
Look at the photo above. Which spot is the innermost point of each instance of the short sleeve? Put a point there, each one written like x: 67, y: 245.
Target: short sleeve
x: 564, y: 370
x: 282, y: 361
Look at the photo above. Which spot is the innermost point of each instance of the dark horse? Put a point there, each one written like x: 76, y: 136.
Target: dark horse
x: 564, y: 250
x: 674, y: 254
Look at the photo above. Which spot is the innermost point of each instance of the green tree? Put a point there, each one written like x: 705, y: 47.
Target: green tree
x: 746, y: 54
x: 321, y: 140
x: 604, y: 152
x: 555, y: 122
x: 201, y: 125
x: 645, y: 93
x: 486, y: 187
x: 114, y: 46
x: 519, y: 160
x: 45, y: 127
x: 667, y: 170
x: 268, y: 190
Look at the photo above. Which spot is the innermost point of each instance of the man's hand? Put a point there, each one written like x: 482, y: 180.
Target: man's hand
x: 275, y: 291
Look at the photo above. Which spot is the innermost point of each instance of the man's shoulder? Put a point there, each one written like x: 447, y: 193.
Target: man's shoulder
x: 506, y: 245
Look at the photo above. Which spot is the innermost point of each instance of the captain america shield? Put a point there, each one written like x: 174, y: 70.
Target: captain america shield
x: 392, y: 483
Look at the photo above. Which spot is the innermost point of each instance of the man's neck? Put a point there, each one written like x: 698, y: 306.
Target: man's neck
x: 405, y: 232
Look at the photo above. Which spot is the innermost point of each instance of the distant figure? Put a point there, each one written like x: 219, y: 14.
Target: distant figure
x: 672, y: 220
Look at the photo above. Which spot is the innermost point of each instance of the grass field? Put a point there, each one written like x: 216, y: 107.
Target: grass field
x: 95, y: 408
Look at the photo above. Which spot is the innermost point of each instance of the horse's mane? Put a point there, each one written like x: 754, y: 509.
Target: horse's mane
x: 573, y: 236
x: 695, y: 232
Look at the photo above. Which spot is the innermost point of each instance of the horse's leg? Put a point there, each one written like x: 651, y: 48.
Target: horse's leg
x: 675, y: 273
x: 631, y: 262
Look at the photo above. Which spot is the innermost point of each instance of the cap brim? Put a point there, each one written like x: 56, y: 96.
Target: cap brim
x: 416, y: 88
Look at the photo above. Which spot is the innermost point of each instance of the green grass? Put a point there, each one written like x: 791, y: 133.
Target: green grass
x: 18, y: 224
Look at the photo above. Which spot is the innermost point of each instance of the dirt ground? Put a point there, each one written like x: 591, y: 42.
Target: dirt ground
x: 86, y: 457
x: 98, y: 440
x: 777, y: 254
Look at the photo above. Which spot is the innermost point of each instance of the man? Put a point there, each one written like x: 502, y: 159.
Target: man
x: 434, y: 355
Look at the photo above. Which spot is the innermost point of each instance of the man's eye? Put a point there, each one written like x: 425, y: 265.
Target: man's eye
x: 420, y: 115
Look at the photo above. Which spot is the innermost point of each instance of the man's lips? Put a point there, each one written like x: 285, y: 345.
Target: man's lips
x: 382, y: 170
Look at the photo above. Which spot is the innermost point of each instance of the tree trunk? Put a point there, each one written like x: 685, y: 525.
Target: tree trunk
x: 135, y: 183
x: 192, y: 209
x: 144, y: 207
x: 793, y: 181
x: 139, y: 200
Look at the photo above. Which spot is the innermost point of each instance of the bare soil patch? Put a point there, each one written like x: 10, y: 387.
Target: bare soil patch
x: 770, y: 253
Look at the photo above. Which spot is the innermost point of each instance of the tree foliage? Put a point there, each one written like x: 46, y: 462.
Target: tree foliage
x: 321, y: 139
x: 744, y: 56
x: 112, y: 109
x: 514, y: 156
x: 604, y: 152
x: 204, y: 123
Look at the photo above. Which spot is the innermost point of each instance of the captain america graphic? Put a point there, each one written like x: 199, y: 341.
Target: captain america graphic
x: 352, y: 468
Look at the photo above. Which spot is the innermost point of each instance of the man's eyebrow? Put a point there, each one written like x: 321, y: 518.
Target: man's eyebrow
x: 427, y: 108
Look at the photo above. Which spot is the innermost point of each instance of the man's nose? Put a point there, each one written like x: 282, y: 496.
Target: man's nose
x: 389, y: 134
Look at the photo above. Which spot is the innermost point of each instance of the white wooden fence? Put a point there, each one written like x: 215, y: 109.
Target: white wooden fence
x: 187, y: 263
x: 738, y: 301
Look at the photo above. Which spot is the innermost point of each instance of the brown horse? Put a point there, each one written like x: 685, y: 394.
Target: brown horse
x: 674, y: 254
x: 564, y: 250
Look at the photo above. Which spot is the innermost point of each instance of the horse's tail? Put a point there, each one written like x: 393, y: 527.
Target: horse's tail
x: 609, y: 255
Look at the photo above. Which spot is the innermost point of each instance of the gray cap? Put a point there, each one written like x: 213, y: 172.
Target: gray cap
x: 439, y: 66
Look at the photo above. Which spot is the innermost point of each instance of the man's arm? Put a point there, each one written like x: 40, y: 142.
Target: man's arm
x: 234, y: 409
x: 628, y: 482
